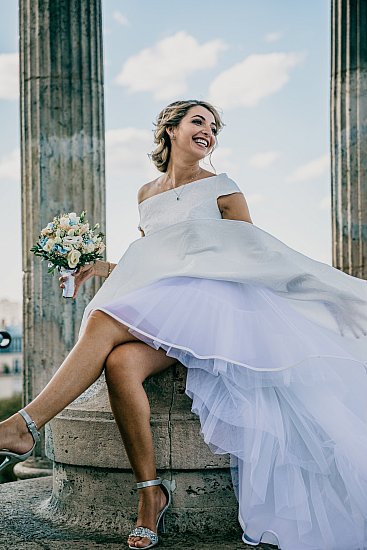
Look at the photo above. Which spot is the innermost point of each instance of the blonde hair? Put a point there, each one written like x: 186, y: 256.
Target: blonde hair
x: 171, y: 116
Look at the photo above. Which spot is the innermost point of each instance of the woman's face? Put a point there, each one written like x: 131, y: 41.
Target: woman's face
x: 195, y: 134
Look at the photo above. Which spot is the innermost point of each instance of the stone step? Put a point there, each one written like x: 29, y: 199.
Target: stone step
x: 23, y: 528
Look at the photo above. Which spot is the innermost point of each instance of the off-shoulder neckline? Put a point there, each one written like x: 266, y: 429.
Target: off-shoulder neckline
x: 191, y: 182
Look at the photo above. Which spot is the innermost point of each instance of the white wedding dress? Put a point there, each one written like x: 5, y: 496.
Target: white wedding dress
x: 276, y: 349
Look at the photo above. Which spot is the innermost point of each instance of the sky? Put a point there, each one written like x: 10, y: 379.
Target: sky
x: 265, y: 65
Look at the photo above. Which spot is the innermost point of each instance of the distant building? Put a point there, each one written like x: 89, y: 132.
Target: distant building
x: 10, y: 312
x: 11, y: 362
x: 11, y: 357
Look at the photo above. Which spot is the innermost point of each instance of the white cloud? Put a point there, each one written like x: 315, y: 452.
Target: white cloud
x: 164, y: 68
x: 273, y: 36
x: 126, y: 153
x: 10, y: 166
x: 264, y: 159
x: 120, y: 19
x: 255, y: 198
x: 311, y: 170
x: 9, y: 77
x: 256, y: 77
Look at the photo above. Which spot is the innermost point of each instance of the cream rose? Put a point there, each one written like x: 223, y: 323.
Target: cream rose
x: 73, y: 258
x: 48, y: 246
x: 89, y: 248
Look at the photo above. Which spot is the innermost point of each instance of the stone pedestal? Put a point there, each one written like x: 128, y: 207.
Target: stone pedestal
x: 348, y: 97
x: 93, y: 482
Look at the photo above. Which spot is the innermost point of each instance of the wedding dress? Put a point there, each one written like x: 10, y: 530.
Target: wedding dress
x: 275, y: 344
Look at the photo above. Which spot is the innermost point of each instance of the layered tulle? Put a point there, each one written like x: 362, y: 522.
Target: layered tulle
x: 284, y: 396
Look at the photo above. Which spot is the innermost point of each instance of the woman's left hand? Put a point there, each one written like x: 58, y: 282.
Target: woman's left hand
x: 81, y: 275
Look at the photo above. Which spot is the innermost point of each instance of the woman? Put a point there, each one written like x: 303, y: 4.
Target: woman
x: 274, y: 342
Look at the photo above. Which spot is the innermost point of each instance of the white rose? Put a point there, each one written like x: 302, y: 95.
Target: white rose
x: 73, y: 217
x: 72, y: 240
x: 48, y: 246
x: 73, y: 258
x: 90, y: 247
x: 64, y: 222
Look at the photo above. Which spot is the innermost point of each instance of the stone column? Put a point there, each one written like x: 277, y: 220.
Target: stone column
x: 62, y: 166
x: 348, y: 97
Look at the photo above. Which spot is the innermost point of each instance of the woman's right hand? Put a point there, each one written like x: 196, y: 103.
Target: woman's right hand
x: 82, y: 274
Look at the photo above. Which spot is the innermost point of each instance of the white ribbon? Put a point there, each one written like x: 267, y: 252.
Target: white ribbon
x: 68, y: 290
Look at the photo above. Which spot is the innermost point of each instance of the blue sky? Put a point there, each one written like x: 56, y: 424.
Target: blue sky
x: 264, y: 64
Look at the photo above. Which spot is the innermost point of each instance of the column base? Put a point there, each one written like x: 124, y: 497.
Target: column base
x: 106, y: 501
x: 33, y: 468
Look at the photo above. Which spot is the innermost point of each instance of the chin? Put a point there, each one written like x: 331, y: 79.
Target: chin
x: 198, y: 155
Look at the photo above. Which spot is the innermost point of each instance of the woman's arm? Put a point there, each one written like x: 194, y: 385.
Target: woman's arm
x: 234, y: 207
x: 103, y: 269
x: 85, y: 272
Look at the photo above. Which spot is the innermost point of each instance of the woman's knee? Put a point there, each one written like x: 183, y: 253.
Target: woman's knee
x: 121, y: 362
x: 102, y: 325
x: 116, y: 357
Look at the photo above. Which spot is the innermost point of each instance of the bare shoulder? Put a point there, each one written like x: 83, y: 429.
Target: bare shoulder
x: 146, y: 190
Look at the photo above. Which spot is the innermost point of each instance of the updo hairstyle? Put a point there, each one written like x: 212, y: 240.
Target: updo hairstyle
x: 171, y: 116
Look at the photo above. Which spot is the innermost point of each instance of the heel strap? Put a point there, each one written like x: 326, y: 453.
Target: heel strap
x: 143, y: 484
x: 31, y: 425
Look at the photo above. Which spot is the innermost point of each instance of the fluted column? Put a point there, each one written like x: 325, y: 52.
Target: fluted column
x: 62, y: 164
x: 348, y: 95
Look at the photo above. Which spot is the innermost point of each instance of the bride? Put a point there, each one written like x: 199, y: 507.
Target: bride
x: 274, y: 343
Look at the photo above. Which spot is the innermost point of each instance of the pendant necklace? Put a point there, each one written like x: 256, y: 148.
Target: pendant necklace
x: 174, y: 189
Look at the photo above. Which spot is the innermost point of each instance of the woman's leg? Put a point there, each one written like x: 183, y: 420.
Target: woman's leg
x: 80, y: 369
x: 127, y: 367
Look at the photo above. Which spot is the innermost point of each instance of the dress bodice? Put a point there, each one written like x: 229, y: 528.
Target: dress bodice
x: 197, y: 200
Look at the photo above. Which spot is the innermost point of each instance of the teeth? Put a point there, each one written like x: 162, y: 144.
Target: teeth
x: 199, y: 140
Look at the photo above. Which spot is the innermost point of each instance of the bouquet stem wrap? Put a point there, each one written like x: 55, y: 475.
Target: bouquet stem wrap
x: 68, y: 291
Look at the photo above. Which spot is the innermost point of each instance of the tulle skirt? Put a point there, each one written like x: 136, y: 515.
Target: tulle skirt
x: 278, y: 392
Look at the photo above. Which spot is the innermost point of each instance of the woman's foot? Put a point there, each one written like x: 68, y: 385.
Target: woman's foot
x: 151, y: 501
x: 15, y: 436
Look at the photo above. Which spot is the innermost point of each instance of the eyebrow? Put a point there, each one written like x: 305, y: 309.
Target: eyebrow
x: 203, y: 119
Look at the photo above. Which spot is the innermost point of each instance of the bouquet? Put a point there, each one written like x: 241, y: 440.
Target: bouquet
x: 68, y: 243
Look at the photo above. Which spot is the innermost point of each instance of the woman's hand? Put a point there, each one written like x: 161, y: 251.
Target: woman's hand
x: 82, y: 274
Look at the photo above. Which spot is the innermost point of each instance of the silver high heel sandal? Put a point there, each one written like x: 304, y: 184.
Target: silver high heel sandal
x: 144, y: 531
x: 13, y: 458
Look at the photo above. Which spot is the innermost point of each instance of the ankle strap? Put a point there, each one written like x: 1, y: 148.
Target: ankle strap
x: 31, y: 425
x: 143, y: 484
